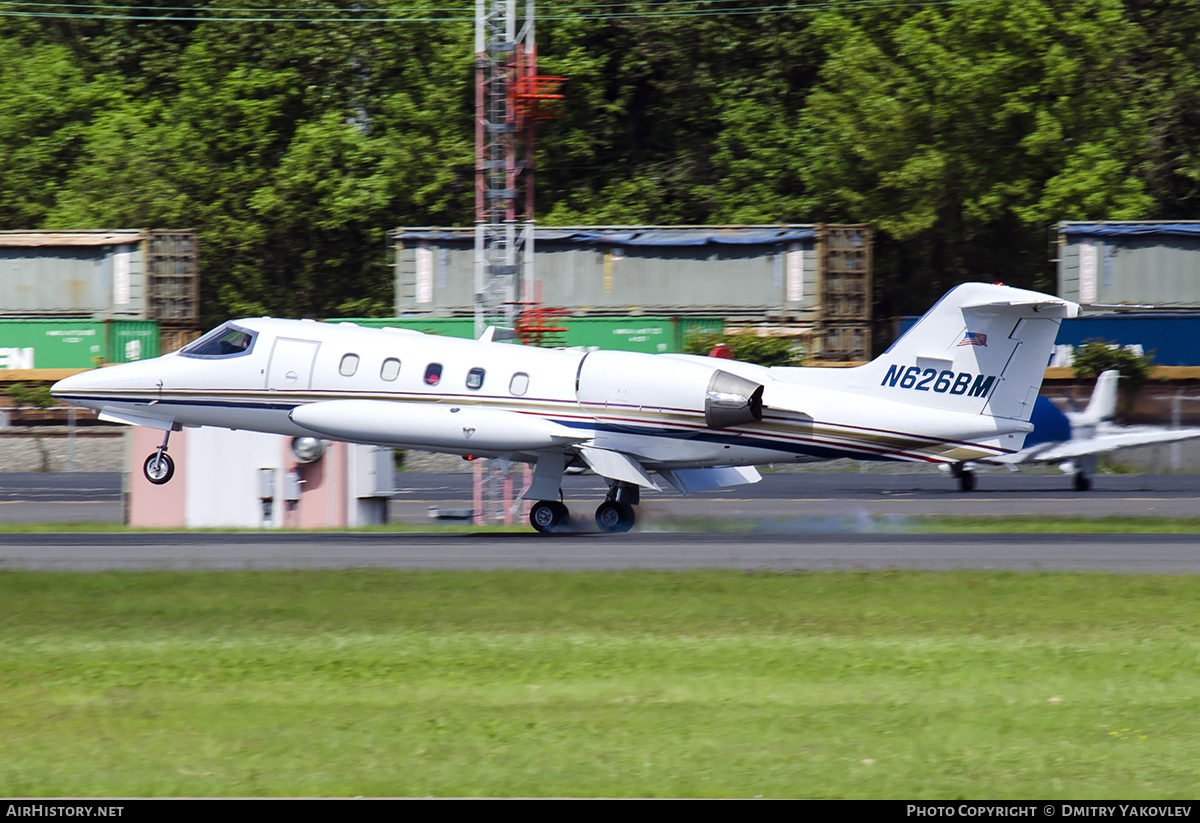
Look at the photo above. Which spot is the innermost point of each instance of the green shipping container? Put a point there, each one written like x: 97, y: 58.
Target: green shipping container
x: 131, y: 340
x: 652, y: 335
x: 75, y: 344
x: 447, y: 326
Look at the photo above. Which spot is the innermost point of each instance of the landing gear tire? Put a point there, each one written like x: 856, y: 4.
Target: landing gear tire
x: 549, y: 516
x: 612, y: 516
x: 159, y: 468
x: 1083, y: 483
x: 966, y: 480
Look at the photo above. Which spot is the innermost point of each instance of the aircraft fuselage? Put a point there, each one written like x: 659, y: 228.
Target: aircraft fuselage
x: 502, y: 400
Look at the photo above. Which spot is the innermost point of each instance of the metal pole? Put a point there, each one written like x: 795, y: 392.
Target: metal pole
x: 71, y: 440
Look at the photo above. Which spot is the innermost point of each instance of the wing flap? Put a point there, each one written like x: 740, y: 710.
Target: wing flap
x: 617, y: 466
x: 690, y: 481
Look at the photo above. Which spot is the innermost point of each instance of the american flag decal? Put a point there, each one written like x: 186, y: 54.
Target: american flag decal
x: 972, y: 338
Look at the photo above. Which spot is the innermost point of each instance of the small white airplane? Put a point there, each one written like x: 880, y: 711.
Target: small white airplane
x: 1075, y: 440
x: 959, y: 386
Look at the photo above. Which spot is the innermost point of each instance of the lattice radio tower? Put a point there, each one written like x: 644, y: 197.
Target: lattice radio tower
x: 509, y: 99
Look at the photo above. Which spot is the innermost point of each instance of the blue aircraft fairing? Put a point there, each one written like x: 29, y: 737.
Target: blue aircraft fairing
x: 1050, y: 425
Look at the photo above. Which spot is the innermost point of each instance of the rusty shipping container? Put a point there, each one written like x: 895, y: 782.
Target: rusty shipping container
x: 744, y: 272
x: 1108, y: 265
x: 119, y: 274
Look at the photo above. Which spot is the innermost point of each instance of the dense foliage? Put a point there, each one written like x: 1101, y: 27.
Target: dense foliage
x: 962, y: 131
x: 748, y: 347
x: 1096, y: 356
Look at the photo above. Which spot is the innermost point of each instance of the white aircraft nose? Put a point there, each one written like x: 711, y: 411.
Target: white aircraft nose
x: 73, y: 385
x: 78, y: 387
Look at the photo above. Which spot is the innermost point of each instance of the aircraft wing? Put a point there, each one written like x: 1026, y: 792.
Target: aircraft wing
x: 1105, y: 441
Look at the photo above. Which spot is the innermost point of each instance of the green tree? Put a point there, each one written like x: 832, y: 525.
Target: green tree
x: 748, y: 346
x: 293, y: 147
x: 1096, y: 356
x: 963, y: 132
x: 47, y: 105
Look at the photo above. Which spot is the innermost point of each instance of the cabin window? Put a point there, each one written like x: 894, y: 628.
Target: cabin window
x: 390, y: 369
x: 433, y: 374
x: 475, y: 379
x: 225, y: 341
x: 349, y: 365
x: 519, y: 383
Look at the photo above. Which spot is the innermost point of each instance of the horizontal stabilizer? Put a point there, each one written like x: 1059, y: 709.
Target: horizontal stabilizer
x: 1053, y: 306
x: 690, y: 481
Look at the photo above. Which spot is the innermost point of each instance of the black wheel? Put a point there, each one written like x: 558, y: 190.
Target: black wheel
x: 612, y: 516
x: 1082, y: 482
x: 966, y: 481
x: 159, y: 468
x: 548, y: 515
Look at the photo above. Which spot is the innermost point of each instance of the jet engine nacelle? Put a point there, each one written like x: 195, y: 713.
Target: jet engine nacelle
x: 618, y: 385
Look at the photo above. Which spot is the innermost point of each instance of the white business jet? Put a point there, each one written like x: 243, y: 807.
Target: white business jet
x: 1075, y: 440
x: 959, y: 386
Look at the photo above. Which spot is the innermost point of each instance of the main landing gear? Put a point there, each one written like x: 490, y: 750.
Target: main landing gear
x: 159, y: 467
x: 615, y: 514
x: 549, y: 516
x: 966, y: 477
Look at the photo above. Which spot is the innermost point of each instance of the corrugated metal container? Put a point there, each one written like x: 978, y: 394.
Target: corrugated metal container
x: 75, y: 344
x: 142, y: 274
x: 447, y: 326
x: 173, y: 267
x: 738, y: 271
x: 173, y: 338
x: 843, y: 343
x: 1171, y: 337
x: 653, y: 335
x: 132, y: 340
x: 1129, y: 263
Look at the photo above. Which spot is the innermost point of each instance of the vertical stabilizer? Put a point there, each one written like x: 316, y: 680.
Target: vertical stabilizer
x: 983, y: 349
x: 1103, y: 404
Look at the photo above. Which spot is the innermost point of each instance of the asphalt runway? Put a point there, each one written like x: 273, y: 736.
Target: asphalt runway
x: 97, y: 497
x: 798, y: 495
x: 806, y: 521
x: 1142, y: 554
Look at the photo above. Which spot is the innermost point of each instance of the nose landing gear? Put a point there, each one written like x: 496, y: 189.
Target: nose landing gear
x: 159, y: 467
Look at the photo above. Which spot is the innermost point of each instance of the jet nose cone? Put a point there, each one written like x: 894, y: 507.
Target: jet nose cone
x: 69, y: 386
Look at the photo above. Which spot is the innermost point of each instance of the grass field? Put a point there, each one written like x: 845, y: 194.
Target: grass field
x: 379, y: 683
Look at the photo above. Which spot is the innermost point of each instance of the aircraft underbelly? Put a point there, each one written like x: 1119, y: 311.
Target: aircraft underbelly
x: 249, y: 418
x: 675, y: 452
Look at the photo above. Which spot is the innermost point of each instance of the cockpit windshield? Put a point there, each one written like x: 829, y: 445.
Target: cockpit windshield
x: 224, y: 341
